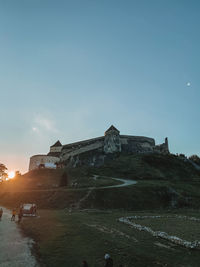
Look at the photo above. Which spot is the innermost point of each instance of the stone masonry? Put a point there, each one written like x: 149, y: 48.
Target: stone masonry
x: 94, y: 151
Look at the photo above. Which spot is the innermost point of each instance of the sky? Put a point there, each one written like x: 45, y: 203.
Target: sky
x: 71, y: 68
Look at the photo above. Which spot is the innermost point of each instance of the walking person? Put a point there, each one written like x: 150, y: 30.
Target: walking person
x: 1, y: 213
x: 109, y: 261
x: 21, y: 209
x: 13, y: 215
x: 35, y: 209
x: 20, y: 214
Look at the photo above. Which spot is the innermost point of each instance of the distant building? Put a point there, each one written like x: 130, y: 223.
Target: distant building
x: 94, y: 151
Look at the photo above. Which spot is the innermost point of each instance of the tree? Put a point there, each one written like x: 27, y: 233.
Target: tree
x: 3, y: 173
x: 64, y: 179
x: 195, y: 159
x: 17, y: 173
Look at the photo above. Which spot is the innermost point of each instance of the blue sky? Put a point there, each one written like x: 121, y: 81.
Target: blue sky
x: 69, y: 69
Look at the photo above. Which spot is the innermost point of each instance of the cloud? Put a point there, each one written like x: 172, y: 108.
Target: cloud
x: 35, y: 129
x: 42, y: 124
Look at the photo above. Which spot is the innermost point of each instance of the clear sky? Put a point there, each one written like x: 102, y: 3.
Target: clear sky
x: 69, y: 69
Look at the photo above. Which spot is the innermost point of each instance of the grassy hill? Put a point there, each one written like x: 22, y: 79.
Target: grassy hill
x: 65, y: 234
x: 149, y: 166
x: 49, y: 179
x: 163, y: 180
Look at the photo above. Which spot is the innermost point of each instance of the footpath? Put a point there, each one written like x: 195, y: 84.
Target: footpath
x: 15, y: 249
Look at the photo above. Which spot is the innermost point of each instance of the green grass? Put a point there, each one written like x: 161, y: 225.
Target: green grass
x: 33, y: 180
x: 148, y: 166
x: 146, y: 194
x: 162, y: 180
x: 65, y: 239
x: 180, y: 227
x: 50, y: 179
x: 84, y: 182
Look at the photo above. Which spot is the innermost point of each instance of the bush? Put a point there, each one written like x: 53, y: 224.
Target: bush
x: 195, y: 159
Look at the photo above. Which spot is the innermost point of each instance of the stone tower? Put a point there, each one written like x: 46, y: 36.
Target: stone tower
x: 112, y: 141
x: 166, y: 145
x: 56, y: 148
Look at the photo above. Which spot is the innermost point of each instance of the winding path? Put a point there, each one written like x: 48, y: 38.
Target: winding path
x: 125, y: 182
x: 15, y: 249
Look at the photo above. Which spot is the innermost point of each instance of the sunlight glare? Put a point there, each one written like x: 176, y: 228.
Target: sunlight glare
x: 11, y: 174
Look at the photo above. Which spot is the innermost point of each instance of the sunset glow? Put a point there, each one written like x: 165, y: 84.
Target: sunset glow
x: 11, y: 174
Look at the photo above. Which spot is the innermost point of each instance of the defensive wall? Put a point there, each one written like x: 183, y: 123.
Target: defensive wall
x: 94, y: 151
x: 43, y: 161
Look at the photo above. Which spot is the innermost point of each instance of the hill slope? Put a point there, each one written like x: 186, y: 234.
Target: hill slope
x: 163, y: 181
x: 148, y: 166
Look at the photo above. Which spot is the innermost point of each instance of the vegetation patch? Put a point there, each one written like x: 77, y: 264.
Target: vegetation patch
x: 147, y: 166
x: 66, y: 238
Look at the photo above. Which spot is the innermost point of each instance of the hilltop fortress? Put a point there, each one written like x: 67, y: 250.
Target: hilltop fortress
x: 93, y: 152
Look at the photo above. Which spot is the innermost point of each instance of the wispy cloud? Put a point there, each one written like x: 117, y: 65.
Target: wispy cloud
x: 42, y: 124
x: 35, y: 129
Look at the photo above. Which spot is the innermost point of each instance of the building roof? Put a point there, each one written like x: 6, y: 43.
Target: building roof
x: 58, y: 143
x: 84, y: 142
x: 54, y: 154
x: 112, y: 128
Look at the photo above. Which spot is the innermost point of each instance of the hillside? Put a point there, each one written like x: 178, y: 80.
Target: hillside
x: 149, y: 166
x: 165, y: 198
x: 162, y: 181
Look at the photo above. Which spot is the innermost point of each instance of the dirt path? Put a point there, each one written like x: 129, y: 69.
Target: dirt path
x: 125, y: 182
x: 90, y: 189
x: 15, y: 249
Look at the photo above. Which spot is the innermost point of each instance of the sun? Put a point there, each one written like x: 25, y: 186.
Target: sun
x: 11, y: 174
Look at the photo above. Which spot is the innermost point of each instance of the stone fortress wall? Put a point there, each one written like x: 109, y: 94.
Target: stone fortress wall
x: 93, y: 152
x: 43, y: 160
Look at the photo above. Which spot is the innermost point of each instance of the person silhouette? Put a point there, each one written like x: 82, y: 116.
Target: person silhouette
x: 13, y: 215
x: 1, y: 213
x: 109, y: 261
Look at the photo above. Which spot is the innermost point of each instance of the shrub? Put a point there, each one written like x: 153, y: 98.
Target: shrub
x: 195, y: 159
